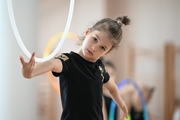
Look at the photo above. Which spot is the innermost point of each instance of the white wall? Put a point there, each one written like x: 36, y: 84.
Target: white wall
x: 17, y: 95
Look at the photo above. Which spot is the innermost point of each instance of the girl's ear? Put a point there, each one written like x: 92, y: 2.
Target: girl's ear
x: 88, y: 31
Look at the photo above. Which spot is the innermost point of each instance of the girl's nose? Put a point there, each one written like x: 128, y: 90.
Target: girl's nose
x: 93, y: 48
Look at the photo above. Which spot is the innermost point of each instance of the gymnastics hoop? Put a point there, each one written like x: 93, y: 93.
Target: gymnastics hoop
x: 47, y: 51
x: 138, y: 89
x: 19, y: 40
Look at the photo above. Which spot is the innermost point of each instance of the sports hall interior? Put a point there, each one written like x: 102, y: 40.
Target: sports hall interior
x: 149, y: 52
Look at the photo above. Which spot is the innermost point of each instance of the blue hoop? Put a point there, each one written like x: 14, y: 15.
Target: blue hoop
x: 120, y: 85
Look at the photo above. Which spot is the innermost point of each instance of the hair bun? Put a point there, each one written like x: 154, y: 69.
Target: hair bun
x: 123, y: 20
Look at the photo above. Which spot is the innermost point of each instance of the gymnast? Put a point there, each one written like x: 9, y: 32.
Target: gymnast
x: 82, y: 74
x: 133, y: 101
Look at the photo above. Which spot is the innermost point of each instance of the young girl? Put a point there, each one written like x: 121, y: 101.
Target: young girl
x: 82, y: 74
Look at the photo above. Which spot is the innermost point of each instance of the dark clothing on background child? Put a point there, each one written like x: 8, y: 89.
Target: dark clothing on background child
x: 136, y: 115
x: 108, y: 101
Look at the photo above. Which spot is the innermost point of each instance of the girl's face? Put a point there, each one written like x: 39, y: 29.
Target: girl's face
x: 95, y: 45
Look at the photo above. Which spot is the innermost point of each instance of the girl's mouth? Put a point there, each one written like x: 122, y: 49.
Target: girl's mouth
x: 89, y: 52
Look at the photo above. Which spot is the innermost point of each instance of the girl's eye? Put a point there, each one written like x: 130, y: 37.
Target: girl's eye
x: 95, y: 40
x: 103, y: 48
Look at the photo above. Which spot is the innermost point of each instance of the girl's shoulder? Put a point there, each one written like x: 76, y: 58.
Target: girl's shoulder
x: 100, y: 62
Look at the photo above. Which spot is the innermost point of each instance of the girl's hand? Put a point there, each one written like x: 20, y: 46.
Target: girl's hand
x: 123, y: 112
x: 27, y: 67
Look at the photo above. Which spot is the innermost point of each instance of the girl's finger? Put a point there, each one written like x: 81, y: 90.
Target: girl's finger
x: 32, y: 63
x: 121, y: 115
x: 32, y: 57
x: 22, y: 60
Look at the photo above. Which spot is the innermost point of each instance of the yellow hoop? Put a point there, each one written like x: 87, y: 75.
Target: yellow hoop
x: 47, y: 51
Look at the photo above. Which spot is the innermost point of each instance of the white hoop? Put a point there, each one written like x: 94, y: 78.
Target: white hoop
x: 19, y: 40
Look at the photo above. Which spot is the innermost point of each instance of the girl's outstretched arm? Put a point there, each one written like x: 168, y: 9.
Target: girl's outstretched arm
x: 31, y: 68
x: 113, y: 90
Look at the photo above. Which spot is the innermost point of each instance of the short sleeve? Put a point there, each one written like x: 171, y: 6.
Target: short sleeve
x: 103, y: 71
x: 65, y: 59
x: 106, y: 77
